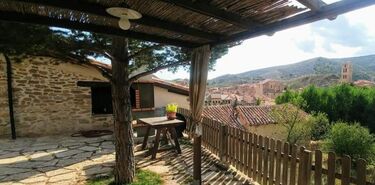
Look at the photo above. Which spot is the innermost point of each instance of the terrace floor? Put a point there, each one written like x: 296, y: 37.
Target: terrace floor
x: 72, y: 160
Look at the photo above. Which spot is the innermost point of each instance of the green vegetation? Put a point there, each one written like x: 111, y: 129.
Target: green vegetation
x: 342, y: 102
x: 171, y: 107
x: 353, y: 140
x: 142, y: 177
x: 320, y: 126
x: 295, y: 121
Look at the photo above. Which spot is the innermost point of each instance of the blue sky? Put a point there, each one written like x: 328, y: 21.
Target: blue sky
x: 351, y: 34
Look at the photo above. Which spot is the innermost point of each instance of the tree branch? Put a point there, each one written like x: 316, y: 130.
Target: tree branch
x: 144, y: 50
x: 136, y: 77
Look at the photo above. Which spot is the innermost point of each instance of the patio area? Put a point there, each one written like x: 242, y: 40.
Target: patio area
x: 72, y: 160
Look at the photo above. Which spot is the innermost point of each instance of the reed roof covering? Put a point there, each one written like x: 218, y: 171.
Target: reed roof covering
x: 187, y: 23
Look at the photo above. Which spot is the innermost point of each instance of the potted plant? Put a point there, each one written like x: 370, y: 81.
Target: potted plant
x: 171, y: 110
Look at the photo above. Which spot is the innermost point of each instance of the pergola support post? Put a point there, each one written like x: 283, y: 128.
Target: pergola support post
x: 10, y: 97
x: 197, y: 89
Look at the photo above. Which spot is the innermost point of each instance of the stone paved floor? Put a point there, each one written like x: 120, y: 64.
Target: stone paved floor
x: 69, y: 160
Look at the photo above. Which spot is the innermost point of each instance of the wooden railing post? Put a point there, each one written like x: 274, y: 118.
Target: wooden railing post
x: 305, y: 168
x: 222, y: 142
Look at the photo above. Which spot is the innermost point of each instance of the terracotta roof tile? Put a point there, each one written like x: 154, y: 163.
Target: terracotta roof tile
x: 253, y: 115
x: 223, y: 114
x: 257, y: 115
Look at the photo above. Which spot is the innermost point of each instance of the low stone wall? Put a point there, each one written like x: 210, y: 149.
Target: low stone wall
x: 47, y: 100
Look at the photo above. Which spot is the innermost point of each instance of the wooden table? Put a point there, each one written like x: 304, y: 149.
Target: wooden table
x: 161, y: 124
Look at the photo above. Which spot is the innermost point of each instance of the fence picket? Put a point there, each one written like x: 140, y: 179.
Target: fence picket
x: 260, y: 158
x: 242, y: 145
x: 293, y: 165
x: 237, y: 152
x: 278, y: 162
x: 318, y: 168
x: 272, y: 162
x: 285, y: 164
x: 361, y: 172
x: 265, y: 160
x: 250, y: 157
x: 300, y: 166
x: 331, y: 168
x: 255, y: 154
x: 346, y: 165
x: 246, y: 152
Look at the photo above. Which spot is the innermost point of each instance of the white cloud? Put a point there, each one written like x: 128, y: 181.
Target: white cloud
x: 349, y: 35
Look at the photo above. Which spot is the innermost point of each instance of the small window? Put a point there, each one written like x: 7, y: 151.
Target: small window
x: 142, y: 95
x: 101, y: 100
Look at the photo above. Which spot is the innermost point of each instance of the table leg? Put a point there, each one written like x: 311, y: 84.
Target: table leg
x: 156, y: 145
x: 173, y: 132
x: 144, y: 144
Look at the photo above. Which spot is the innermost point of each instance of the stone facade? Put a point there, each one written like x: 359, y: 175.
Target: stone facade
x: 347, y: 73
x: 47, y: 100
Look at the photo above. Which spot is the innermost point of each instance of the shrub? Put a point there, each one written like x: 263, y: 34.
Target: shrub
x: 320, y: 126
x: 171, y: 107
x: 351, y: 139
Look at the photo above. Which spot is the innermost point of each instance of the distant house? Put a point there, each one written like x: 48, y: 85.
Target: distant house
x: 51, y: 96
x: 256, y: 119
x: 364, y: 83
x: 269, y: 88
x: 217, y: 99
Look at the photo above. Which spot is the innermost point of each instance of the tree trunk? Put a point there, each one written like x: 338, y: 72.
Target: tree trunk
x: 123, y: 131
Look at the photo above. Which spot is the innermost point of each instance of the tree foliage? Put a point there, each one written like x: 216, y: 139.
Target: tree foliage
x: 351, y: 139
x: 145, y: 57
x: 320, y: 126
x: 342, y: 102
x: 295, y: 121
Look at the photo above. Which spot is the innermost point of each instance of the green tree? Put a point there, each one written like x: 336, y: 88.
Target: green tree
x: 351, y: 139
x: 320, y: 126
x: 342, y: 102
x: 131, y: 59
x: 295, y: 122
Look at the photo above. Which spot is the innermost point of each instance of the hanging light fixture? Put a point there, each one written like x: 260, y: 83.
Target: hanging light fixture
x: 124, y: 14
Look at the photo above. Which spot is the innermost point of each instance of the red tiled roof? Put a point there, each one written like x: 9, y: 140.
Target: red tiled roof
x: 223, y: 114
x: 257, y: 115
x: 252, y: 115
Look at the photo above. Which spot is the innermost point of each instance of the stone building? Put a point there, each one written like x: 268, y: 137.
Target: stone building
x: 269, y: 88
x: 346, y: 73
x: 51, y: 97
x: 217, y: 99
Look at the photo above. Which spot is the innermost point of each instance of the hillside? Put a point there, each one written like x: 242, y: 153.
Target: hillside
x: 314, y: 70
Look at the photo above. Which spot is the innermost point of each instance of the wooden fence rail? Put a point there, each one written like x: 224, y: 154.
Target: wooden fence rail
x: 273, y: 162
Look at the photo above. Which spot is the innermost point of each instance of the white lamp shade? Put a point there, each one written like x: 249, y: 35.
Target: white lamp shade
x: 124, y: 23
x: 124, y: 13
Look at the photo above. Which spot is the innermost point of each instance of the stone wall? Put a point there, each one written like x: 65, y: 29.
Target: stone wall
x: 47, y: 100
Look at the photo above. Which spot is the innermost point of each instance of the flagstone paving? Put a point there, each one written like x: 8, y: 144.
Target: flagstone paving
x: 72, y: 160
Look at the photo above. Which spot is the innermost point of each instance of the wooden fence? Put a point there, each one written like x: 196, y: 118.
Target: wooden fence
x: 273, y: 162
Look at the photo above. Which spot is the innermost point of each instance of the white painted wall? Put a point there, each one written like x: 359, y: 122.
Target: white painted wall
x: 162, y: 97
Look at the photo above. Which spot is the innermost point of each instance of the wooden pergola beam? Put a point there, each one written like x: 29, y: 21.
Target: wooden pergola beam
x: 96, y: 9
x: 205, y: 9
x: 65, y: 23
x: 328, y: 11
x: 314, y: 5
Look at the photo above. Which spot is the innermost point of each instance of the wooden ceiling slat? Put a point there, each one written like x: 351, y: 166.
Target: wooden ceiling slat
x: 97, y: 9
x: 205, y: 9
x: 65, y: 23
x: 327, y: 11
x: 313, y: 4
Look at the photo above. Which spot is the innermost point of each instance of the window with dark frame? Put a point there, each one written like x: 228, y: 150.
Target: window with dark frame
x: 141, y: 96
x: 101, y: 100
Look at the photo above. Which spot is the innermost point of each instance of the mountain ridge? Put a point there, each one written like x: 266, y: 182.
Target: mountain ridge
x: 363, y: 68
